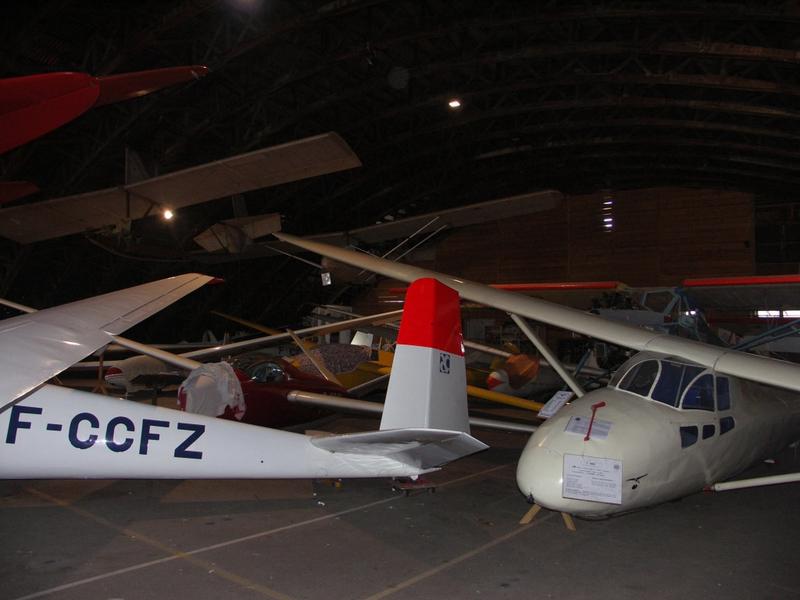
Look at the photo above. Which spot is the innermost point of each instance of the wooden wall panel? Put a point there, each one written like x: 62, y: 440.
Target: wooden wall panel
x: 660, y: 236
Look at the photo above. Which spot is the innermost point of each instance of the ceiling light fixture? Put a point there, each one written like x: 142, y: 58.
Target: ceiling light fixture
x: 454, y: 103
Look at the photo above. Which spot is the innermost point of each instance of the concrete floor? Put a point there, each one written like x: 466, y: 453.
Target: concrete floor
x: 303, y: 539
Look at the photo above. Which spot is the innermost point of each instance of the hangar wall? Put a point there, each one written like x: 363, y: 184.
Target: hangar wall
x: 659, y: 236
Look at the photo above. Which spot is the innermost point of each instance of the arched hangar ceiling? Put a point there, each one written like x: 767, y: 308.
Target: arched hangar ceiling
x: 565, y: 94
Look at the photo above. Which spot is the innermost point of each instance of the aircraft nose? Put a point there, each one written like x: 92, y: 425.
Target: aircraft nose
x: 539, y: 474
x: 604, y: 472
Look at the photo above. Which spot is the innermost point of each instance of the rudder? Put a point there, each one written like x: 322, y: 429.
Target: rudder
x: 427, y: 387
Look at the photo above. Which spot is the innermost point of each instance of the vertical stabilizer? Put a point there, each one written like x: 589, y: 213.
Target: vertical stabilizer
x: 427, y: 387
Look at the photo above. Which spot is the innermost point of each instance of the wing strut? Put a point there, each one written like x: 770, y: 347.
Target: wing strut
x: 755, y: 482
x: 551, y: 358
x: 364, y: 406
x: 323, y: 370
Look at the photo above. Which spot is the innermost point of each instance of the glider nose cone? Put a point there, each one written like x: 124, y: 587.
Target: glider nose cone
x: 610, y: 470
x: 539, y: 474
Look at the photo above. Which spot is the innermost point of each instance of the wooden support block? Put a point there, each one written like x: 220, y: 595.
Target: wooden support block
x: 532, y: 512
x: 100, y: 386
x: 568, y: 521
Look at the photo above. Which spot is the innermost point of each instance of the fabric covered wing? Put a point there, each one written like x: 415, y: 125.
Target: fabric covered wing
x: 37, y: 346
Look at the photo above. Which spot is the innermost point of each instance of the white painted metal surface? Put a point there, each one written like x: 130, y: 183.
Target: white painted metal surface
x: 427, y: 388
x: 64, y: 433
x: 60, y: 432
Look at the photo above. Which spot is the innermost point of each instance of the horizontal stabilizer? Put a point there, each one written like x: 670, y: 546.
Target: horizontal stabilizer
x: 422, y: 448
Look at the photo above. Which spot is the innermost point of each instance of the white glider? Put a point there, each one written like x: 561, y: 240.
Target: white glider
x: 50, y: 431
x: 677, y: 417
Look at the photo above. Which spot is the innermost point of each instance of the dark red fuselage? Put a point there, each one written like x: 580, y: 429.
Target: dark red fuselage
x: 266, y: 381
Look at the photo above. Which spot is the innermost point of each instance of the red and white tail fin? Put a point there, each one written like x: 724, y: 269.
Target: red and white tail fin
x: 427, y: 387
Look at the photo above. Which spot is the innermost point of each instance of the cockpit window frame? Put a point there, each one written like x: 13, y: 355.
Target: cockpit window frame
x: 694, y: 372
x: 694, y: 384
x: 259, y: 372
x: 630, y: 377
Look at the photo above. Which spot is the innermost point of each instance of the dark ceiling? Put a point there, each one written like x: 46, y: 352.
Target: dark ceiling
x: 576, y: 96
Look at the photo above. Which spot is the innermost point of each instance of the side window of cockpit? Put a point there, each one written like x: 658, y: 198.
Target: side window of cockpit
x: 723, y: 394
x: 700, y: 395
x: 688, y: 436
x: 639, y: 380
x: 726, y: 424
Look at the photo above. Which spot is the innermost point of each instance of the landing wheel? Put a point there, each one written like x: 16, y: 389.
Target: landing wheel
x: 408, y: 486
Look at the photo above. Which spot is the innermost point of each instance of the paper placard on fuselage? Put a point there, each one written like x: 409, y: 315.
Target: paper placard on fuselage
x: 580, y: 426
x: 555, y: 403
x: 592, y: 478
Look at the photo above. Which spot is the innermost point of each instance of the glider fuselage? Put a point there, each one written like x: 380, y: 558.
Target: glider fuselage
x: 672, y: 428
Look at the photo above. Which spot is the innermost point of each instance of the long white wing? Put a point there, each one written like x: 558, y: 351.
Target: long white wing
x: 501, y: 208
x: 730, y: 362
x: 37, y: 346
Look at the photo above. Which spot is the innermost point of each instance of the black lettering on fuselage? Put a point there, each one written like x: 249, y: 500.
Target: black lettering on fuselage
x: 148, y: 435
x: 84, y: 431
x: 73, y: 430
x: 182, y: 451
x: 14, y: 422
x: 112, y: 425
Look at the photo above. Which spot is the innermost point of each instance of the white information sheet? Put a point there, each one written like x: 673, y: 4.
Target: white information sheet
x: 592, y: 478
x: 580, y: 425
x: 555, y: 403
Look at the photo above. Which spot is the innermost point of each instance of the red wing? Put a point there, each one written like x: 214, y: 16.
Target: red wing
x: 760, y: 292
x: 35, y: 105
x: 115, y: 88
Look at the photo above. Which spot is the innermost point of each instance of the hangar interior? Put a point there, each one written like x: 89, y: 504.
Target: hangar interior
x: 643, y: 143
